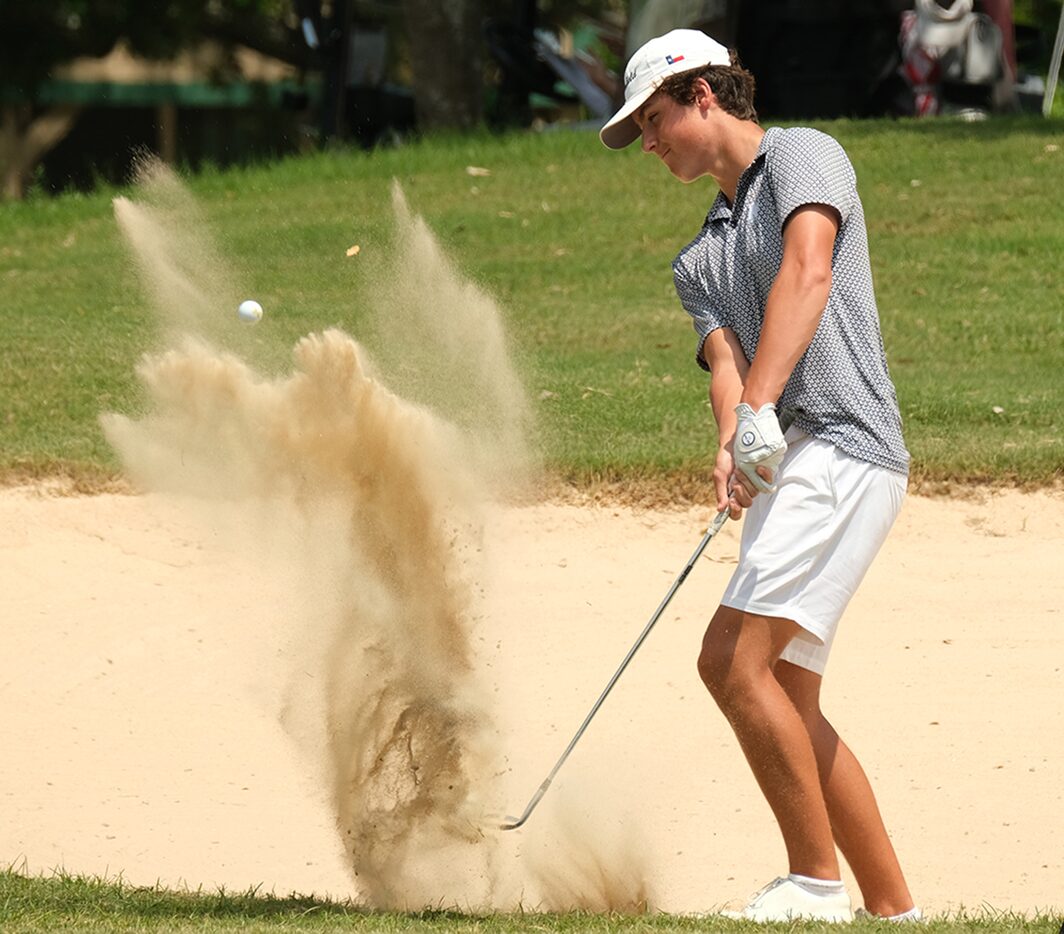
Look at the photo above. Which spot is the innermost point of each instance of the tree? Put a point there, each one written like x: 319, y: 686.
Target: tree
x: 446, y: 40
x: 38, y: 36
x: 446, y: 60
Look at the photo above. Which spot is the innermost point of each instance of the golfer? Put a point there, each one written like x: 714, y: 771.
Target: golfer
x: 779, y: 286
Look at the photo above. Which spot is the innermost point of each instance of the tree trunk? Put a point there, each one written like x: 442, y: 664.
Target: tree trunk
x: 24, y: 140
x: 446, y: 59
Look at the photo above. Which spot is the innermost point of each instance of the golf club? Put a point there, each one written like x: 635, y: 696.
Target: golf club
x: 512, y: 823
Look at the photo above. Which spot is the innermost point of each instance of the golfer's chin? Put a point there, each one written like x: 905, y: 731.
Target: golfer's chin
x: 685, y: 177
x: 678, y: 171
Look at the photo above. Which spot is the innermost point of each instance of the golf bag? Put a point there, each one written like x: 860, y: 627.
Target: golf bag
x: 951, y: 57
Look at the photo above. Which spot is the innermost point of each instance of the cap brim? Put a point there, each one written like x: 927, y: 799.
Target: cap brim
x: 621, y: 129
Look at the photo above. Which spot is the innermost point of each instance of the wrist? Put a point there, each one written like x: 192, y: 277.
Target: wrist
x: 756, y: 402
x: 756, y: 396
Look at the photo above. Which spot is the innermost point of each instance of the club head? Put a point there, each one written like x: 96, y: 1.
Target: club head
x: 497, y: 820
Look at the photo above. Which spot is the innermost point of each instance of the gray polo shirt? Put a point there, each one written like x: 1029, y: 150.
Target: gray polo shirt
x: 840, y: 390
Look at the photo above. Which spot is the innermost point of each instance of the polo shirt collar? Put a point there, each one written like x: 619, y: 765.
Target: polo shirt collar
x: 720, y: 209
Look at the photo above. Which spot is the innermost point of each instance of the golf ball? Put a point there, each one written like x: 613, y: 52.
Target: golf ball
x: 250, y: 311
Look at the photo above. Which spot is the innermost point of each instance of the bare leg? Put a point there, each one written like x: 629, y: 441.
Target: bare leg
x: 738, y: 654
x: 855, y: 819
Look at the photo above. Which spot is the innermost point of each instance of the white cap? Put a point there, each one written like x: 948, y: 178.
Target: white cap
x: 675, y: 52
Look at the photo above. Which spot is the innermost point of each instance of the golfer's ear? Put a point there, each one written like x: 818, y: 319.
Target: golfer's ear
x: 703, y: 94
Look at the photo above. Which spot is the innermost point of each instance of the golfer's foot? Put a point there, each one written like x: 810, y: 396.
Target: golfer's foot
x: 913, y: 914
x: 787, y: 900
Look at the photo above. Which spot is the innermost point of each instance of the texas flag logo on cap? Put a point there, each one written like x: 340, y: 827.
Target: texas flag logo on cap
x: 673, y: 59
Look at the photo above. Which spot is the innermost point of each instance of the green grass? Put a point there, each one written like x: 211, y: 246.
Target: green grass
x: 69, y: 903
x: 966, y: 223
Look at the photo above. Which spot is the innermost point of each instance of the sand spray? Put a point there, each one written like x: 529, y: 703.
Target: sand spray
x: 365, y: 483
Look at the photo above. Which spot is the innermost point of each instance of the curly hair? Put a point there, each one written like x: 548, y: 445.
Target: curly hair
x: 732, y: 84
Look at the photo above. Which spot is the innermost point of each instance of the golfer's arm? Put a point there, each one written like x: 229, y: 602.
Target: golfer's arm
x: 727, y: 362
x: 795, y: 302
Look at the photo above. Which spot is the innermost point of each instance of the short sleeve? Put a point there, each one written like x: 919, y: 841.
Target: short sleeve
x: 696, y: 302
x: 809, y: 167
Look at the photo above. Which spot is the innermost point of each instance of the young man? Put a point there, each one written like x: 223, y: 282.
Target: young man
x: 779, y: 286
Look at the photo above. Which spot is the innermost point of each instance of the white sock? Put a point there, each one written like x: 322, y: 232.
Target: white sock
x: 820, y: 887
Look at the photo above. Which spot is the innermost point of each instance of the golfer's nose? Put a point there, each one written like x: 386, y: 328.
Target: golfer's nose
x: 649, y: 142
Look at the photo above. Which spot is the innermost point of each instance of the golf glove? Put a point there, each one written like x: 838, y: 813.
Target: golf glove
x: 758, y: 443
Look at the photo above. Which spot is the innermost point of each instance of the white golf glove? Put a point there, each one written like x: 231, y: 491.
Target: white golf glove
x: 758, y: 443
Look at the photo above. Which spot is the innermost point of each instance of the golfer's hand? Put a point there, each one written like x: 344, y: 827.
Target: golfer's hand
x: 758, y: 446
x: 734, y: 491
x: 723, y: 470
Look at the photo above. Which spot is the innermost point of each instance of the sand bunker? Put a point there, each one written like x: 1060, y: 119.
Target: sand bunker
x: 139, y: 682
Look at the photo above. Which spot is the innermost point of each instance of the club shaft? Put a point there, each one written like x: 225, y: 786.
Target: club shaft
x: 714, y: 527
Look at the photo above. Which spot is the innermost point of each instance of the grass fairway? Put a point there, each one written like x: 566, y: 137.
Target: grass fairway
x: 29, y: 906
x: 966, y: 224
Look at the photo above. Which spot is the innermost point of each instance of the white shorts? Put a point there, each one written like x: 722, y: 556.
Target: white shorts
x: 806, y: 547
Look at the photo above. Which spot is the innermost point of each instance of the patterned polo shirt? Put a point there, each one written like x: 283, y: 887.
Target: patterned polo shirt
x: 840, y: 390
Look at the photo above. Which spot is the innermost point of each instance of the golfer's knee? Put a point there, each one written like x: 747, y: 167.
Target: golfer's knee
x: 721, y: 672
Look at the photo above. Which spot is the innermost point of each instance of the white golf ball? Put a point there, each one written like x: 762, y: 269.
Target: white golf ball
x: 250, y: 311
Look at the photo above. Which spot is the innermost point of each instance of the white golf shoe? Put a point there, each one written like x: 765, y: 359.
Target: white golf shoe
x: 913, y: 915
x: 786, y: 900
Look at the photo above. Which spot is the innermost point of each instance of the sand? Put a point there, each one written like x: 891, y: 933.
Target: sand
x: 140, y: 706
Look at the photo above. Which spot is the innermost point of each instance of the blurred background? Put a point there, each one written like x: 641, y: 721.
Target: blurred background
x: 86, y: 85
